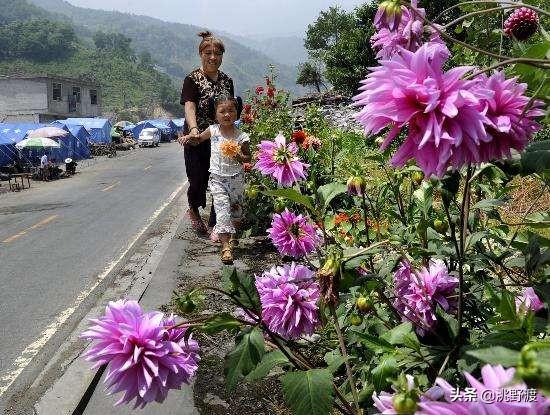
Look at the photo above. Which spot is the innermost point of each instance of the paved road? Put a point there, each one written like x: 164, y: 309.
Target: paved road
x: 58, y: 237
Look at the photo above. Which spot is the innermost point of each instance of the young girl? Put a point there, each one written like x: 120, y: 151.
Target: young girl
x: 229, y: 149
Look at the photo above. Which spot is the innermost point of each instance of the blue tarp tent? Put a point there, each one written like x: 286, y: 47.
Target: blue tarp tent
x: 166, y: 127
x: 179, y: 123
x: 99, y: 128
x: 74, y: 145
x: 10, y: 134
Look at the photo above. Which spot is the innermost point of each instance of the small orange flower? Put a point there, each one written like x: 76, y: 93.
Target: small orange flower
x: 340, y: 217
x: 311, y: 141
x: 355, y: 218
x: 229, y: 148
x: 299, y: 136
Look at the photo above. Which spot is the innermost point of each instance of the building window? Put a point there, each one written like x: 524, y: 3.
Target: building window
x: 93, y: 96
x: 76, y: 93
x: 56, y: 95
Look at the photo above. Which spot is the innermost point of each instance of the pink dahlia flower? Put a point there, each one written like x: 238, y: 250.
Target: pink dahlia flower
x: 496, y: 381
x: 528, y: 301
x: 293, y: 234
x: 418, y: 293
x: 441, y: 110
x: 408, y: 33
x: 289, y: 296
x: 388, y: 15
x: 145, y: 356
x: 279, y: 160
x: 508, y: 127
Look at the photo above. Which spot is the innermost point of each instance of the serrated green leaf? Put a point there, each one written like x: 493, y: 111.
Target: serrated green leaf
x: 496, y: 355
x: 536, y: 158
x: 292, y: 195
x: 218, y: 323
x: 376, y: 344
x: 397, y: 334
x: 334, y: 360
x: 269, y: 361
x: 244, y: 358
x: 309, y: 393
x: 329, y: 191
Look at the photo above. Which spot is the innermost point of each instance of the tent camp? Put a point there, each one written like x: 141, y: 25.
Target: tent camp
x: 166, y: 127
x: 99, y: 128
x: 11, y: 134
x: 179, y: 123
x: 75, y: 144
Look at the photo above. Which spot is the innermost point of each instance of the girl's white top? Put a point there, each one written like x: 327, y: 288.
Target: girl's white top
x: 219, y: 164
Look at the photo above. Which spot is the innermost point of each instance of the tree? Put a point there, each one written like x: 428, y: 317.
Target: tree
x: 113, y: 42
x: 310, y: 75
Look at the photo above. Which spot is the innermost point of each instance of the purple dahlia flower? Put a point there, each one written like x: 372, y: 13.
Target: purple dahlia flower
x: 145, y: 356
x: 418, y: 293
x: 281, y: 161
x: 496, y: 381
x: 293, y: 234
x: 289, y: 296
x: 528, y: 301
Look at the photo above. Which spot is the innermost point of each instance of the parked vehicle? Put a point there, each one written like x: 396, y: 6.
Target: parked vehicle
x: 149, y: 137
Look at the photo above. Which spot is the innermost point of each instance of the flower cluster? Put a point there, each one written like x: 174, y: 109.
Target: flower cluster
x: 289, y: 296
x: 281, y: 161
x: 418, y: 293
x: 145, y: 353
x: 293, y: 234
x: 451, y: 122
x: 400, y: 28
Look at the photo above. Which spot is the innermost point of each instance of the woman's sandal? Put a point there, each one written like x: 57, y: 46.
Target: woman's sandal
x: 196, y: 222
x: 227, y: 255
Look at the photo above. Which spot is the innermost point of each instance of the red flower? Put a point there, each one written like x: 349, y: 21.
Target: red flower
x: 248, y: 118
x: 299, y: 137
x: 247, y: 108
x: 271, y: 92
x: 311, y: 141
x: 340, y: 217
x: 259, y: 90
x: 247, y: 167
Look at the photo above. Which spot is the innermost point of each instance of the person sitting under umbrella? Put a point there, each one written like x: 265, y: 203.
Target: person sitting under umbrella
x: 70, y: 166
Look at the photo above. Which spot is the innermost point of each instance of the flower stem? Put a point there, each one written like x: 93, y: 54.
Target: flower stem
x: 366, y: 219
x: 365, y: 250
x: 349, y: 373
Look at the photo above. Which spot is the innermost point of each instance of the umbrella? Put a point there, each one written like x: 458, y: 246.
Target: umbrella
x: 123, y: 124
x: 47, y: 132
x: 37, y: 142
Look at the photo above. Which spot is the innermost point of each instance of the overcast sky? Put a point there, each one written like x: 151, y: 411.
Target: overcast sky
x: 269, y: 17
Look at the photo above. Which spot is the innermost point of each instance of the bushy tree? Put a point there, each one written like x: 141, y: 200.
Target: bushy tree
x: 310, y: 75
x: 113, y: 42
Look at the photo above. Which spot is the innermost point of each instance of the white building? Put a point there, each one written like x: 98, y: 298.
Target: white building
x: 47, y: 98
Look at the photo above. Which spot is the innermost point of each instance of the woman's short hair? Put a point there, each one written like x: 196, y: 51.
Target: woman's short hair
x: 209, y: 39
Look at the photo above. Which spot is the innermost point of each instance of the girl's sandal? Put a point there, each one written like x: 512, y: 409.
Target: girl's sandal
x: 196, y: 223
x: 227, y: 255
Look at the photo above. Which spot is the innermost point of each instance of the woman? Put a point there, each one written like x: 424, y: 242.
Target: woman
x: 199, y: 88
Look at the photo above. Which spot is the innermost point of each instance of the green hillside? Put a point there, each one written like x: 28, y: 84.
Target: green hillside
x: 173, y: 45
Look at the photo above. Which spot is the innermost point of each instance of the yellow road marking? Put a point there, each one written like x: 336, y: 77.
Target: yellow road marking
x: 35, y: 226
x: 111, y: 186
x: 148, y: 167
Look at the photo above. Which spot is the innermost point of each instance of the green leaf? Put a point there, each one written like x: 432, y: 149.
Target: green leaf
x: 293, y: 195
x: 376, y: 344
x: 507, y: 306
x: 488, y: 204
x: 397, y: 334
x: 538, y: 220
x: 309, y: 393
x: 244, y: 358
x: 269, y: 361
x: 387, y: 368
x: 536, y: 158
x: 218, y: 323
x: 329, y: 191
x: 334, y: 360
x: 424, y: 198
x: 496, y: 355
x: 241, y: 286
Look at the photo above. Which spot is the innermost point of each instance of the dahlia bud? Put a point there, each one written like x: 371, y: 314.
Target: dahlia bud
x: 329, y: 277
x: 356, y: 185
x: 522, y: 23
x: 388, y: 15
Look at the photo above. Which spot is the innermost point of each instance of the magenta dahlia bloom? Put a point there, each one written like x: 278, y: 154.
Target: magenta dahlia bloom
x: 145, y: 356
x: 408, y: 33
x: 293, y: 234
x: 281, y: 161
x: 441, y: 110
x: 418, y: 293
x: 496, y: 381
x: 289, y: 296
x: 388, y: 15
x: 528, y: 301
x: 509, y: 126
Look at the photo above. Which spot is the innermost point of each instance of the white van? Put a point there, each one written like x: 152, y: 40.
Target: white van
x: 149, y: 137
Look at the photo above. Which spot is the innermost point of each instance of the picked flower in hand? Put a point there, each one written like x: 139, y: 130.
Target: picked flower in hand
x: 230, y: 148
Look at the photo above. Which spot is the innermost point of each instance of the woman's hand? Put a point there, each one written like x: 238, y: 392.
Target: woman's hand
x: 189, y: 139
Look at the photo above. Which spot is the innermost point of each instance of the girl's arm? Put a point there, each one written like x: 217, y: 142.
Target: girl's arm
x: 205, y: 135
x: 194, y: 139
x: 244, y: 155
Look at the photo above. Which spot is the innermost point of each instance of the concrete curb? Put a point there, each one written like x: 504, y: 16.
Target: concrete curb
x: 66, y: 393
